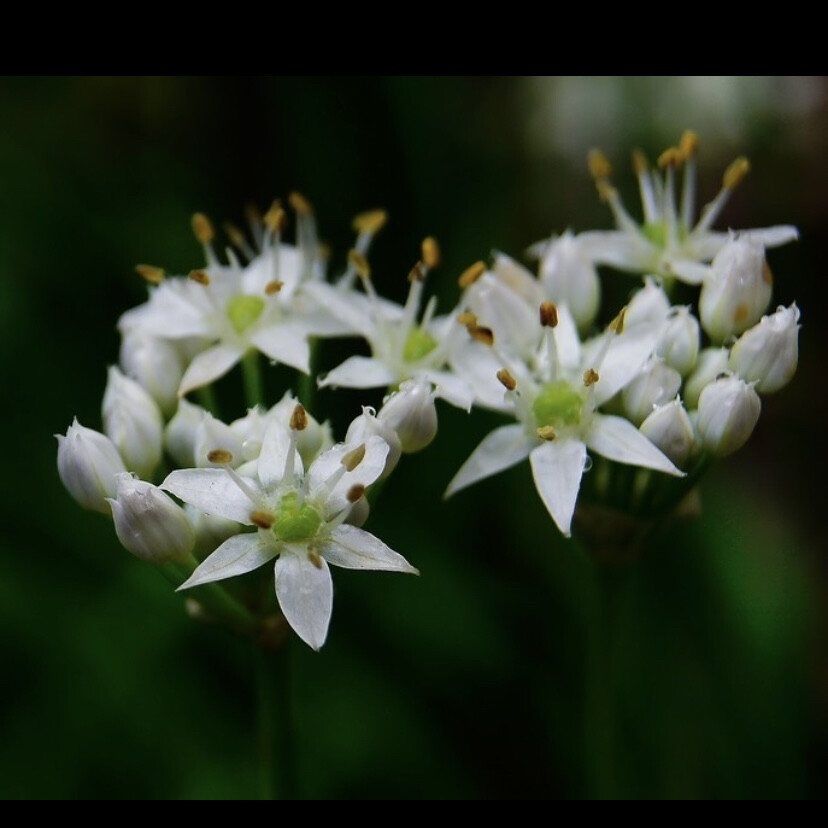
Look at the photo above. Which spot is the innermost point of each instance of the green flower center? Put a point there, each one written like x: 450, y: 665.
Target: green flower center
x: 418, y: 344
x: 243, y: 311
x: 558, y: 405
x: 295, y: 521
x: 656, y: 232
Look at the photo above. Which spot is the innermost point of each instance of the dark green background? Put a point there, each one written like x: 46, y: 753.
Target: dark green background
x: 468, y: 681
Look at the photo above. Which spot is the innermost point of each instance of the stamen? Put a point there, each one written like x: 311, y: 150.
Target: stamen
x: 471, y: 274
x: 617, y: 324
x: 417, y: 273
x: 547, y: 432
x: 275, y: 218
x: 599, y: 165
x: 506, y: 379
x: 353, y: 458
x: 606, y: 192
x: 735, y: 173
x: 299, y: 418
x: 590, y: 377
x: 689, y: 144
x: 671, y: 157
x: 639, y: 161
x: 254, y: 221
x: 360, y: 264
x: 203, y: 228
x: 481, y: 334
x: 645, y: 186
x: 548, y: 315
x: 237, y: 239
x: 430, y: 252
x: 370, y: 221
x: 300, y: 204
x: 150, y: 273
x: 222, y: 456
x: 263, y: 520
x: 314, y: 557
x: 467, y: 318
x: 355, y: 492
x: 199, y: 276
x: 273, y: 286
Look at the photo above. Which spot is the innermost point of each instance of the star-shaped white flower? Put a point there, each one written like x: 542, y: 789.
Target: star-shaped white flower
x: 299, y: 519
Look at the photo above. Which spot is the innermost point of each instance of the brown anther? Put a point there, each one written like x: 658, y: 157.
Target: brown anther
x: 203, y: 228
x: 689, y: 144
x: 276, y: 217
x: 471, y: 274
x: 639, y: 162
x: 606, y: 192
x: 360, y: 264
x: 264, y: 520
x: 219, y: 455
x: 314, y: 557
x: 273, y: 286
x: 353, y: 458
x: 467, y: 318
x: 590, y: 377
x: 150, y: 273
x: 481, y: 334
x: 355, y: 492
x: 548, y: 313
x: 617, y: 324
x: 235, y: 235
x: 430, y: 250
x: 417, y: 273
x: 547, y: 432
x: 599, y: 165
x: 737, y: 170
x: 300, y: 204
x: 671, y: 157
x: 370, y: 221
x: 506, y: 379
x: 199, y: 276
x: 299, y: 418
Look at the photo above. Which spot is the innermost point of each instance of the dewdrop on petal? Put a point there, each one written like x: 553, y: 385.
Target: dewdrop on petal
x: 669, y: 428
x: 729, y: 409
x: 768, y: 353
x: 711, y: 363
x: 411, y: 413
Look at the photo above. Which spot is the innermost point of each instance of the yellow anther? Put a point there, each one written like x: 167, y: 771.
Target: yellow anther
x: 360, y: 264
x: 617, y: 324
x: 640, y: 162
x: 506, y: 379
x: 590, y: 377
x: 299, y: 418
x: 547, y: 432
x: 355, y: 492
x: 671, y: 157
x: 300, y: 204
x: 199, y: 276
x: 548, y: 313
x: 276, y: 217
x: 599, y: 165
x: 481, y: 334
x: 735, y: 173
x: 606, y: 192
x: 235, y: 235
x: 467, y: 318
x: 689, y: 144
x: 152, y: 274
x: 263, y: 520
x: 273, y: 286
x: 353, y: 458
x: 430, y: 252
x: 220, y: 456
x: 417, y: 273
x: 315, y: 558
x: 471, y: 274
x: 370, y: 221
x: 203, y: 228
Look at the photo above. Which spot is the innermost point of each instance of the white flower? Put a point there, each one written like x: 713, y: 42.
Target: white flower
x: 729, y: 409
x: 299, y: 518
x: 411, y: 414
x: 669, y: 241
x: 555, y: 394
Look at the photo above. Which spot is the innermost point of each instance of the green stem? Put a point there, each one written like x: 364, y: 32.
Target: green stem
x: 207, y: 399
x: 252, y: 372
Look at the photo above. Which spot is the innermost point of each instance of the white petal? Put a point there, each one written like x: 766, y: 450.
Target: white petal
x: 237, y: 555
x: 625, y: 357
x: 212, y: 491
x: 619, y: 249
x: 479, y: 366
x: 175, y: 310
x: 353, y: 548
x: 305, y: 592
x: 691, y: 273
x: 347, y: 306
x: 286, y: 343
x: 209, y: 365
x: 451, y: 388
x: 557, y: 468
x: 774, y: 236
x: 275, y: 447
x: 360, y: 372
x: 618, y: 439
x: 502, y: 448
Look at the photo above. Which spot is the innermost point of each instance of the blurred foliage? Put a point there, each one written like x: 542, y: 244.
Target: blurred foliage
x: 467, y: 682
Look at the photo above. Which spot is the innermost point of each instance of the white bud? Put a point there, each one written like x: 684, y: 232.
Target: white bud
x: 737, y: 290
x: 768, y: 353
x: 656, y: 384
x: 728, y: 412
x: 367, y: 425
x: 132, y: 420
x: 179, y: 435
x: 411, y: 413
x: 153, y: 362
x: 149, y: 523
x: 669, y: 428
x: 679, y: 342
x: 649, y: 304
x: 711, y: 363
x: 87, y: 463
x: 569, y: 277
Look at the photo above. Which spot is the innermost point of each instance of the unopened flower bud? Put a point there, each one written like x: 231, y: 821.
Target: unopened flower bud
x: 728, y: 412
x: 669, y: 428
x: 153, y: 362
x: 411, y: 413
x: 737, y: 290
x: 132, y: 420
x: 648, y: 304
x: 367, y: 425
x: 678, y: 344
x: 711, y: 363
x: 87, y: 463
x: 768, y: 353
x: 656, y: 384
x: 179, y: 435
x: 149, y: 523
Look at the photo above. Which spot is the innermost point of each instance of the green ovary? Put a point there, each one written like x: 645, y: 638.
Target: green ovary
x: 558, y: 405
x: 418, y: 344
x: 656, y: 232
x: 295, y: 521
x: 243, y: 311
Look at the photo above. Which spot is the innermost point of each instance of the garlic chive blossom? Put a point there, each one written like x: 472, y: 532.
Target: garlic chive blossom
x: 299, y: 519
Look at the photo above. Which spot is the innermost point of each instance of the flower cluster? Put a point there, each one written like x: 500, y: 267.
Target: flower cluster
x: 624, y: 413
